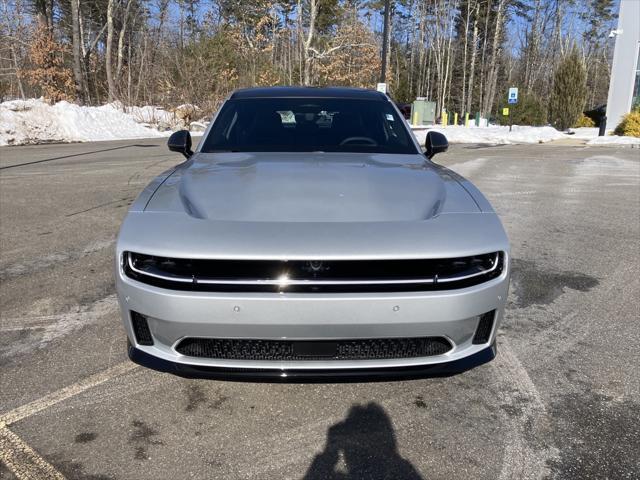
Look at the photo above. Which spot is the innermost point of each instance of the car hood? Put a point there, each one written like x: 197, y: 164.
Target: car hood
x: 311, y: 187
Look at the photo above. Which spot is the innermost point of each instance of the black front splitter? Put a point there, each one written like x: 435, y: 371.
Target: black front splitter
x: 311, y: 375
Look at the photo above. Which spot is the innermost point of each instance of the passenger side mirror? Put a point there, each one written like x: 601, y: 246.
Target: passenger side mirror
x: 180, y: 141
x: 435, y: 143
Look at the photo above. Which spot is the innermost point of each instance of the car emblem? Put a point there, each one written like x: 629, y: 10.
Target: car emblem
x: 314, y: 266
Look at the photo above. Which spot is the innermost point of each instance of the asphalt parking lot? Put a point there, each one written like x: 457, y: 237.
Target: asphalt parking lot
x: 561, y: 400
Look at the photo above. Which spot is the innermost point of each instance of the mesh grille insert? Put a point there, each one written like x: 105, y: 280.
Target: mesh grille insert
x: 365, y: 349
x: 485, y: 325
x: 141, y: 329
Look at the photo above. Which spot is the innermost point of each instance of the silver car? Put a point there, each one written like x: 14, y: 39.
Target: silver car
x: 308, y: 236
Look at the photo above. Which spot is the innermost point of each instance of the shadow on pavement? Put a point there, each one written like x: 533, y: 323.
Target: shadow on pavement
x: 362, y: 446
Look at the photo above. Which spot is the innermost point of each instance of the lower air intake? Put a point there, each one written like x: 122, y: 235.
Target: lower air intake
x: 485, y: 326
x: 365, y: 349
x: 141, y: 329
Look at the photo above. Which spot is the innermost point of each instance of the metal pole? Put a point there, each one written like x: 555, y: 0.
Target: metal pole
x: 511, y: 110
x: 385, y: 38
x: 603, y: 126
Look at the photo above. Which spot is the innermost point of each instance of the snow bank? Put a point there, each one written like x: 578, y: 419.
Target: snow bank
x: 173, y: 119
x: 497, y: 135
x: 614, y: 140
x: 35, y: 121
x: 584, y: 133
x: 152, y: 115
x: 591, y: 135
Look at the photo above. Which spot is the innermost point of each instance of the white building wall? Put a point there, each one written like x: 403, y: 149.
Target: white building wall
x: 625, y: 58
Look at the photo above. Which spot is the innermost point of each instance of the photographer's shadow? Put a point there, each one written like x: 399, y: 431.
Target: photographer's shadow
x: 363, y: 446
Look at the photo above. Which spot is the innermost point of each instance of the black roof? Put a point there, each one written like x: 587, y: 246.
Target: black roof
x: 308, y: 92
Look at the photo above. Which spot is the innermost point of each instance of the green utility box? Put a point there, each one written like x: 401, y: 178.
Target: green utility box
x: 423, y: 112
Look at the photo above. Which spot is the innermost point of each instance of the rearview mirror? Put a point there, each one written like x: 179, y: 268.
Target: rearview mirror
x: 180, y: 141
x: 435, y: 143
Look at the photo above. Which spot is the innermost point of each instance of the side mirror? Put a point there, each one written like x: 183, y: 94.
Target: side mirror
x: 180, y: 141
x: 434, y: 143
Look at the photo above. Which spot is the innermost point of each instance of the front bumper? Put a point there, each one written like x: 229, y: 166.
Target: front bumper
x: 314, y: 375
x: 175, y: 315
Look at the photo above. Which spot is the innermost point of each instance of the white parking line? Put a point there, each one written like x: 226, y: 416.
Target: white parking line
x: 47, y: 328
x: 519, y: 459
x: 47, y: 401
x: 23, y: 461
x: 20, y: 329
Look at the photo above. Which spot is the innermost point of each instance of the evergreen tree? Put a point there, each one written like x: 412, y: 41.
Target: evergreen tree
x: 569, y: 91
x: 530, y: 110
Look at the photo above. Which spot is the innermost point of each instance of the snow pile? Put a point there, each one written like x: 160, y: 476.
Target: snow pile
x: 35, y: 121
x: 500, y: 135
x: 172, y: 119
x: 614, y: 140
x: 496, y: 135
x: 584, y: 133
x: 153, y: 115
x: 591, y: 135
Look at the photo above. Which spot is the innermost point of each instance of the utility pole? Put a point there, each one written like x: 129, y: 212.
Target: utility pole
x: 385, y: 41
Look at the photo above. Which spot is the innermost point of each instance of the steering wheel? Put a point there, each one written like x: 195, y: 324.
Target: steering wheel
x: 360, y: 140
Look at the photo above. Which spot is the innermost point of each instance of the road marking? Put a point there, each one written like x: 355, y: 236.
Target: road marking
x: 519, y: 459
x: 468, y: 167
x: 26, y: 327
x: 45, y: 329
x: 514, y: 194
x: 52, y: 259
x: 81, y: 314
x: 51, y: 399
x: 23, y: 461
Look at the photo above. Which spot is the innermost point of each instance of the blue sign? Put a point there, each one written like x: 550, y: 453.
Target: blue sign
x: 513, y: 95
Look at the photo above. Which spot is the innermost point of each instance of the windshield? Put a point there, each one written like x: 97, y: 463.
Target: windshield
x: 309, y: 125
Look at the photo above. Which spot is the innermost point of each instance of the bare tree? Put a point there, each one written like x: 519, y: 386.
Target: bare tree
x: 474, y: 52
x: 306, y: 45
x: 108, y: 56
x: 78, y: 75
x: 457, y: 53
x: 467, y: 21
x: 121, y: 35
x: 492, y: 75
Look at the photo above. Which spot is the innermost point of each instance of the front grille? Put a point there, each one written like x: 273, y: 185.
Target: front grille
x: 483, y: 331
x: 314, y: 276
x: 141, y: 329
x: 361, y: 349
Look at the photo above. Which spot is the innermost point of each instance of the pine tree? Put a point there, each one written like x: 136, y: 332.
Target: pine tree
x: 569, y: 91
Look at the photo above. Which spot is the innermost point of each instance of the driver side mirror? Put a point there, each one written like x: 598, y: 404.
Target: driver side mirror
x: 435, y: 143
x: 180, y: 141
